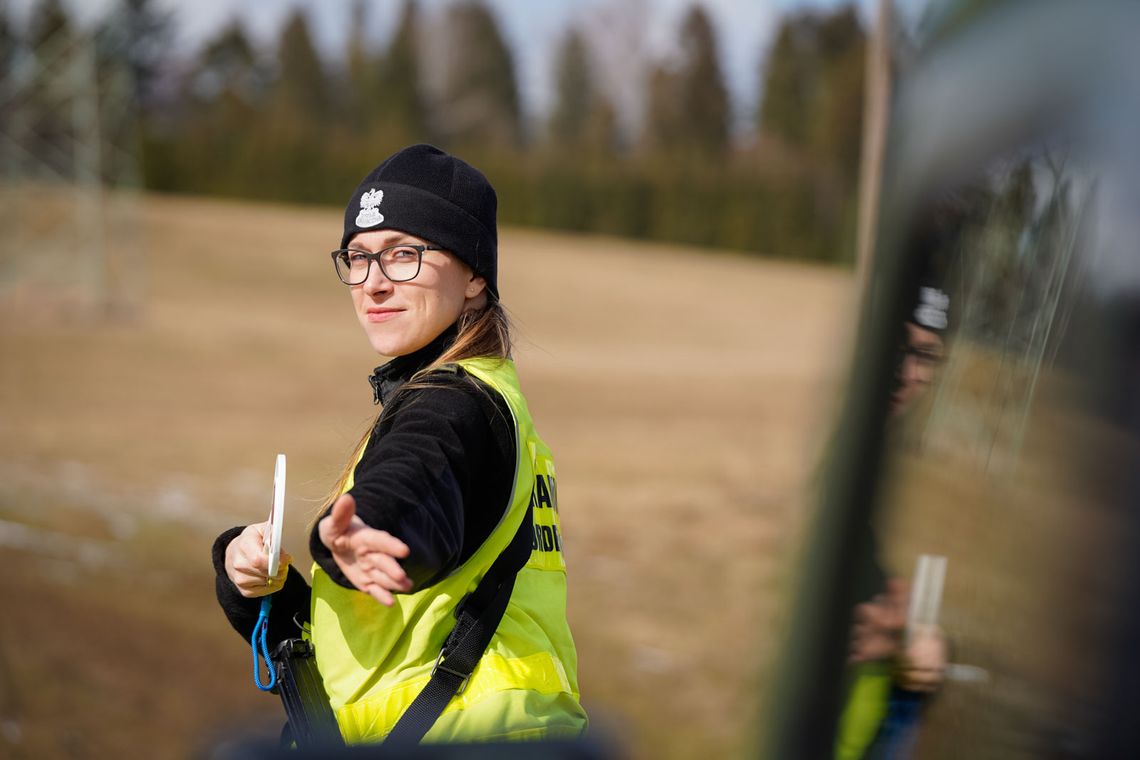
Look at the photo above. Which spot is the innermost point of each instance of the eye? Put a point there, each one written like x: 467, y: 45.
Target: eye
x: 404, y: 254
x: 355, y: 257
x: 926, y: 355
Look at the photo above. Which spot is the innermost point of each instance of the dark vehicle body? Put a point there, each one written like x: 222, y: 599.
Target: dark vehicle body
x: 1013, y: 171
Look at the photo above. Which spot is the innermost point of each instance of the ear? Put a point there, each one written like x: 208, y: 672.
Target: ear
x: 475, y: 286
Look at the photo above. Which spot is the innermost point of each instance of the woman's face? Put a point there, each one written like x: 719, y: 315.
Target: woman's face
x: 921, y: 357
x: 402, y: 317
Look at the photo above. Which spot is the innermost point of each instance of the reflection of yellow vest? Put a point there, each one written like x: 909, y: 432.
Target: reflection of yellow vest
x: 867, y: 705
x: 376, y: 659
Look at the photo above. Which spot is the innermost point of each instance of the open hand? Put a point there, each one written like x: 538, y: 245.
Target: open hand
x: 365, y: 555
x: 247, y: 564
x: 880, y: 623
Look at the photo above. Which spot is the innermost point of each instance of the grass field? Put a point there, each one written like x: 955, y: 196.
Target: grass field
x: 685, y: 395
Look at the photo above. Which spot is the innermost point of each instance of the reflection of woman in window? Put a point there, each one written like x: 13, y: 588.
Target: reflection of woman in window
x: 894, y: 669
x: 922, y: 350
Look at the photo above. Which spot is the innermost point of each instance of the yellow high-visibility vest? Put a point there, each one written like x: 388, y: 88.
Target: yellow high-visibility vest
x: 868, y: 701
x: 375, y: 660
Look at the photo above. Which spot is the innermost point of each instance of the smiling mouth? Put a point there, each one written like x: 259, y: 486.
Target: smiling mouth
x: 382, y: 315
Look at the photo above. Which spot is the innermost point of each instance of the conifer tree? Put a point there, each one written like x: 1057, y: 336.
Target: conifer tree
x: 791, y: 80
x: 49, y: 22
x: 302, y: 88
x: 813, y: 89
x: 360, y: 68
x: 480, y: 101
x: 582, y: 122
x: 148, y: 36
x: 703, y: 94
x: 688, y: 108
x: 663, y: 112
x: 574, y: 90
x: 8, y: 42
x: 8, y: 39
x: 400, y: 89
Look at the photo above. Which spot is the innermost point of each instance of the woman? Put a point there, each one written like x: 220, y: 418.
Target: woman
x: 451, y: 472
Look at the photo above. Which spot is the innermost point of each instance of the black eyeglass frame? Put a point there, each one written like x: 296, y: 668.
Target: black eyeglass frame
x: 924, y: 354
x: 376, y: 257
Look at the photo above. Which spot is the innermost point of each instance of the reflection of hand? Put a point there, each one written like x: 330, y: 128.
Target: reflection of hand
x: 923, y: 665
x: 879, y: 624
x: 366, y: 556
x: 247, y: 564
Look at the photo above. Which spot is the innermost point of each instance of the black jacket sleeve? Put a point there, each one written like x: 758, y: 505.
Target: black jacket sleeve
x: 436, y: 473
x: 290, y: 603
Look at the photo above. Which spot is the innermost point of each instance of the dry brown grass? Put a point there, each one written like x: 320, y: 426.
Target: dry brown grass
x: 684, y: 394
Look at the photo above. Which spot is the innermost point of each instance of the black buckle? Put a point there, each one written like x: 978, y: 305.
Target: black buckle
x: 439, y: 665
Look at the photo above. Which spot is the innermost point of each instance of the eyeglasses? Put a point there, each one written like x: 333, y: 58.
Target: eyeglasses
x: 399, y: 263
x: 924, y: 355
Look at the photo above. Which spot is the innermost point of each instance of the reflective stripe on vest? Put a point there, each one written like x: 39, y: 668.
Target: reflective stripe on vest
x: 375, y: 659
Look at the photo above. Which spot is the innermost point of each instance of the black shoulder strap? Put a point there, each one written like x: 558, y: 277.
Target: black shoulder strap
x: 477, y: 617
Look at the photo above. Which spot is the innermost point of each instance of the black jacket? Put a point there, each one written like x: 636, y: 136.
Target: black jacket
x: 437, y: 473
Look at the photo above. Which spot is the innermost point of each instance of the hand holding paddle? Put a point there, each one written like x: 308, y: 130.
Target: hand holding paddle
x: 247, y: 564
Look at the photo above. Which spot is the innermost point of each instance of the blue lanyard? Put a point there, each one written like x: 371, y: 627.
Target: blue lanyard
x: 260, y: 638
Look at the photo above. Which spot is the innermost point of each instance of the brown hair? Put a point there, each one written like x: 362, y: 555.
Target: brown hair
x: 482, y: 332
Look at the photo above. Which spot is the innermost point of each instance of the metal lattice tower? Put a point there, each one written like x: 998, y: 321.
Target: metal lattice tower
x: 69, y: 176
x: 1014, y: 296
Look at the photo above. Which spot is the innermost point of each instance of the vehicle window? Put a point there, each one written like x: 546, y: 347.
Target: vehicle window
x: 999, y: 462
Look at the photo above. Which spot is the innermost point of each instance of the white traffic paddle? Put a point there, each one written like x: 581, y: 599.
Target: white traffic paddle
x: 272, y: 543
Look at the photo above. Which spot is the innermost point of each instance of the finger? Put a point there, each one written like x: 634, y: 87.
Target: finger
x: 335, y: 524
x: 254, y: 562
x: 251, y: 562
x: 253, y: 593
x: 388, y: 566
x: 249, y: 580
x: 379, y: 578
x: 254, y: 538
x: 252, y: 588
x: 382, y: 579
x: 381, y: 595
x: 252, y: 554
x: 898, y: 593
x: 373, y: 540
x: 342, y: 512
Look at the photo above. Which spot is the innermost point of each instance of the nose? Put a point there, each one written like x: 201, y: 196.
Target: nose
x: 912, y: 371
x: 926, y: 373
x: 917, y: 371
x: 377, y: 283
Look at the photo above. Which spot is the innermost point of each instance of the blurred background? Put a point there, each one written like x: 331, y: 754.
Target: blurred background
x: 684, y: 190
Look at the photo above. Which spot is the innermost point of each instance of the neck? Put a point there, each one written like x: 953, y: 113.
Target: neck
x: 388, y: 377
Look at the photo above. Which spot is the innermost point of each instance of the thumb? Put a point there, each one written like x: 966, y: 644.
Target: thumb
x: 341, y: 515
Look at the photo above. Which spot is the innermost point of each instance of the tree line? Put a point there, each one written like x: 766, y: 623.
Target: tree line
x: 297, y: 126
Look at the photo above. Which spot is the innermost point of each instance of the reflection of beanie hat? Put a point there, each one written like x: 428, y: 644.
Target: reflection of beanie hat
x: 932, y: 309
x: 427, y: 193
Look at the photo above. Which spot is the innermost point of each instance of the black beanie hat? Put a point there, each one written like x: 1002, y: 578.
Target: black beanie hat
x: 427, y: 193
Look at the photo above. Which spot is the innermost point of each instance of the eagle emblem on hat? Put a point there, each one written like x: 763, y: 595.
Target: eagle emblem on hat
x: 370, y: 215
x: 932, y: 307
